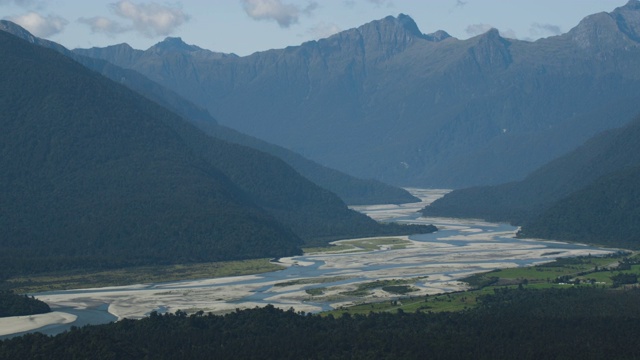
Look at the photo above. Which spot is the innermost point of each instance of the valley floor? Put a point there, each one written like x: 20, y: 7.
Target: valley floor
x: 351, y: 272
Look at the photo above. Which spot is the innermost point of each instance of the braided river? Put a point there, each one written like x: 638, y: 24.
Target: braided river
x: 428, y: 263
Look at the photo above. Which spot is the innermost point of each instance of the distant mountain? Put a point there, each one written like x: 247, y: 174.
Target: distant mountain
x: 386, y: 101
x: 352, y: 190
x: 93, y: 175
x: 129, y: 78
x: 521, y: 202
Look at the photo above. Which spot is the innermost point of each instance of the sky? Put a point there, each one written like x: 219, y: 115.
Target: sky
x: 246, y: 26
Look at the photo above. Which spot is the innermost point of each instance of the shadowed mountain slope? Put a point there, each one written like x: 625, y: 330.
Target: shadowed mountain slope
x: 606, y: 213
x: 351, y: 190
x: 589, y: 166
x: 94, y: 175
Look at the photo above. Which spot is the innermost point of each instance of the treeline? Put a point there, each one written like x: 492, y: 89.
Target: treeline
x: 17, y: 305
x: 576, y: 323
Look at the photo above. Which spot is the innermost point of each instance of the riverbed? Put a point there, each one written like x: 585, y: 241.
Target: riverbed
x: 427, y: 263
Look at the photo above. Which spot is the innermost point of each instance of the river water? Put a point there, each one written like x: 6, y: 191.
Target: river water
x: 430, y: 263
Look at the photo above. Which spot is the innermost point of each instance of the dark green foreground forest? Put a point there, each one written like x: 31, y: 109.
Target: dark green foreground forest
x: 575, y: 323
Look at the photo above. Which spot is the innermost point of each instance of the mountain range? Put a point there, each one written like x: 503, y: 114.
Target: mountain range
x: 417, y: 109
x: 353, y: 191
x: 97, y: 174
x: 94, y: 175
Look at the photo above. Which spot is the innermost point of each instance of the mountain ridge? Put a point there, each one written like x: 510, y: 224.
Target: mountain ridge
x: 521, y: 202
x: 411, y: 111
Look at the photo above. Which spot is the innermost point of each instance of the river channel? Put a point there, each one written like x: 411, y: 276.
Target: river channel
x: 429, y: 263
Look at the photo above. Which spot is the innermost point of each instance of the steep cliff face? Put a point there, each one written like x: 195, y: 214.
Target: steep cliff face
x: 386, y: 101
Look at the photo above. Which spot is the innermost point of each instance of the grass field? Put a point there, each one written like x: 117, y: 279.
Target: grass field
x: 581, y: 271
x: 138, y: 275
x: 392, y: 286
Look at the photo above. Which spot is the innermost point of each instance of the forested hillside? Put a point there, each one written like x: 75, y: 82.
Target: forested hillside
x: 607, y: 212
x: 522, y: 201
x: 94, y: 175
x: 352, y: 190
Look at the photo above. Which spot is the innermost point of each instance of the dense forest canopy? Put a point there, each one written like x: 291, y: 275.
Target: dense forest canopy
x: 584, y: 323
x: 605, y: 213
x: 16, y: 305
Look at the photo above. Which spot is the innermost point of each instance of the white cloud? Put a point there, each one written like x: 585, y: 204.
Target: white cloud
x: 349, y: 3
x: 150, y: 19
x: 324, y: 30
x: 508, y: 33
x: 99, y: 24
x: 389, y: 3
x: 538, y: 30
x: 477, y: 29
x: 39, y: 25
x: 284, y: 14
x: 21, y: 3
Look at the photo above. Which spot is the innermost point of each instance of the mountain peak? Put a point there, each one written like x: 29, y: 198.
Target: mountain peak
x: 408, y: 24
x: 604, y: 30
x: 492, y: 33
x: 402, y: 25
x: 389, y: 35
x: 22, y: 33
x: 437, y: 36
x: 492, y: 50
x: 174, y: 44
x: 628, y: 19
x: 17, y: 30
x: 177, y: 45
x: 632, y: 5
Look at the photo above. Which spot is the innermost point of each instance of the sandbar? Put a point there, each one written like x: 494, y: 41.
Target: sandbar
x: 17, y: 324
